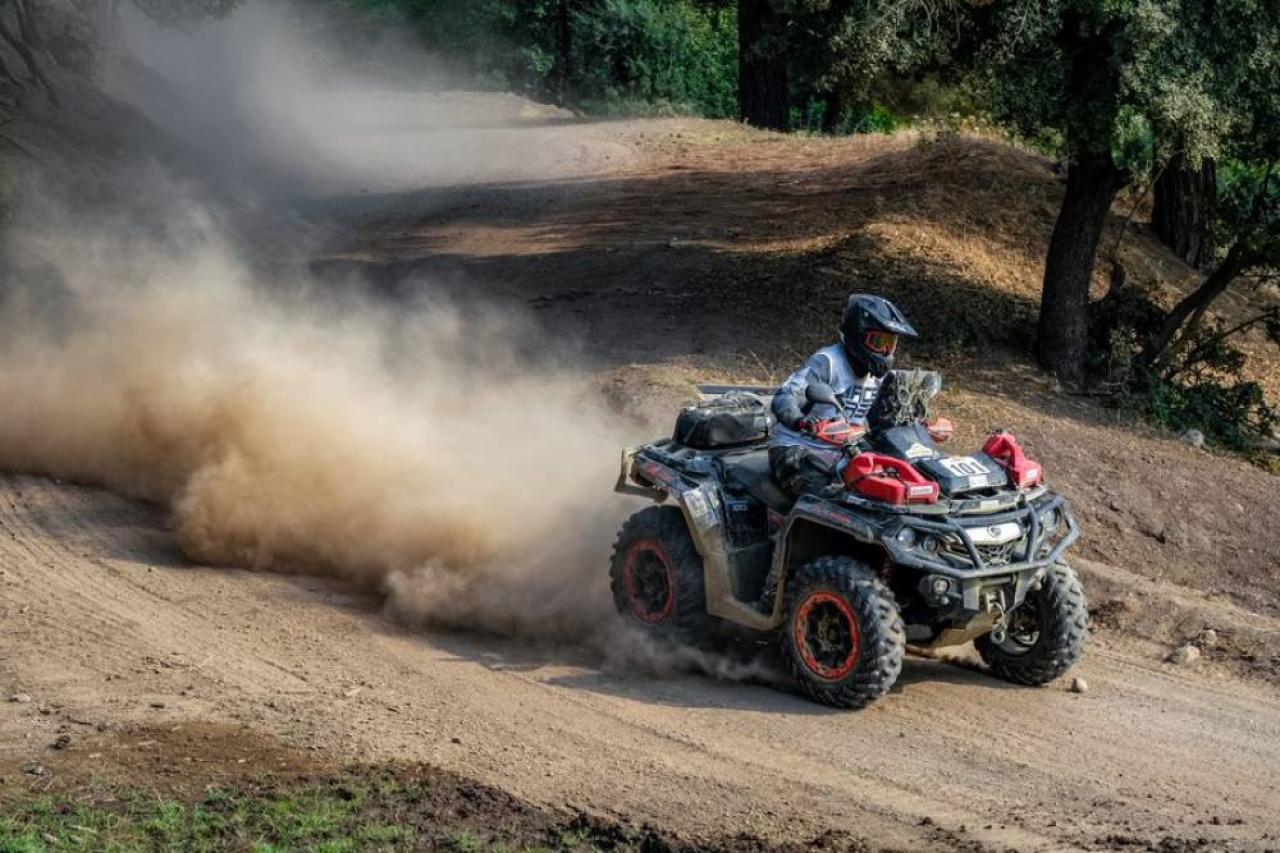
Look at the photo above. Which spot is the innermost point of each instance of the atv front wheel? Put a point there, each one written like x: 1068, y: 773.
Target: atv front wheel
x: 1046, y: 634
x: 843, y: 640
x: 656, y: 575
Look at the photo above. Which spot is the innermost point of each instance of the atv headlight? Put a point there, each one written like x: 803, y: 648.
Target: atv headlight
x: 906, y: 537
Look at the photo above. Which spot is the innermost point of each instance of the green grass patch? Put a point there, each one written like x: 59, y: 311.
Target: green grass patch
x: 351, y: 815
x: 359, y: 810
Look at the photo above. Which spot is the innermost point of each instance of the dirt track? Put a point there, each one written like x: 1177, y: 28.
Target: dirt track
x: 104, y: 622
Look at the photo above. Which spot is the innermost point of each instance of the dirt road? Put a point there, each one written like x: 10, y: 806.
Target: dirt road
x: 103, y: 622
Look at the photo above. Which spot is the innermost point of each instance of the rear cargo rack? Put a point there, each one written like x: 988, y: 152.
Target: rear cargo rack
x: 756, y: 390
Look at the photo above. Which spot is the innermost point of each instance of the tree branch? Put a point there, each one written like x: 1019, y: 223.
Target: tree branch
x: 1189, y: 311
x: 1203, y: 347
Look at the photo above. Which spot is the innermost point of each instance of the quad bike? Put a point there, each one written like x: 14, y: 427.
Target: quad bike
x: 912, y: 546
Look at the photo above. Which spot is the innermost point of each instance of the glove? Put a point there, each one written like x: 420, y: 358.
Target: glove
x: 808, y: 425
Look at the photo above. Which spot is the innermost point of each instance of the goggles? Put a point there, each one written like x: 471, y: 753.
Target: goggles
x: 881, y: 343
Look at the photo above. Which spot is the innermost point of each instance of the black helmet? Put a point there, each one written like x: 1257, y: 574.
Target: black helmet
x: 870, y: 329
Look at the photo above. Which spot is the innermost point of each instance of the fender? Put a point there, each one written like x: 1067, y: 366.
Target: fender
x: 809, y: 510
x: 707, y: 529
x: 698, y: 503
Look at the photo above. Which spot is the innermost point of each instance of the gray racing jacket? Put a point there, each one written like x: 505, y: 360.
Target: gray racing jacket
x: 829, y: 365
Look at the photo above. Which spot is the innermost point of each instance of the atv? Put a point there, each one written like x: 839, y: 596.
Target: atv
x: 912, y: 547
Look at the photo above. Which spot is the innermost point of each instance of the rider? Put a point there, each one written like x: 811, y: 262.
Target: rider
x: 801, y: 462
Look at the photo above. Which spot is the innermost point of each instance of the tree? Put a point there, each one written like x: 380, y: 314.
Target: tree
x: 856, y: 51
x: 1251, y: 213
x: 71, y: 37
x: 1057, y: 70
x: 763, y: 81
x: 1240, y: 97
x: 659, y: 52
x: 1182, y: 209
x: 1121, y: 86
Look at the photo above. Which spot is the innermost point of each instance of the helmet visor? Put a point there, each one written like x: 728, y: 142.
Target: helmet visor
x: 881, y: 342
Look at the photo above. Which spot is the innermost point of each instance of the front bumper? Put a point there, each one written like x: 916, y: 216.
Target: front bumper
x: 1036, y: 545
x: 973, y: 579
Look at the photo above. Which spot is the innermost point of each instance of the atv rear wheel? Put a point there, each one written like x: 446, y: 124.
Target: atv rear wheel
x: 656, y: 575
x: 1046, y: 634
x: 843, y: 640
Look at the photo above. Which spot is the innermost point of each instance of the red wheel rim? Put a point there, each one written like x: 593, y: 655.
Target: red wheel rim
x: 825, y: 630
x: 650, y: 581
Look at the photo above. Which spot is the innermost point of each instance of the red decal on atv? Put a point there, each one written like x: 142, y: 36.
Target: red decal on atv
x: 830, y: 513
x: 829, y: 648
x: 650, y: 580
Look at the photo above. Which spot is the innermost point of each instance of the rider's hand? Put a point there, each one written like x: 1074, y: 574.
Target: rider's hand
x: 808, y: 425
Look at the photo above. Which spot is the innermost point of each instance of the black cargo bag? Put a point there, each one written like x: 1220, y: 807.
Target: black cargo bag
x: 725, y: 421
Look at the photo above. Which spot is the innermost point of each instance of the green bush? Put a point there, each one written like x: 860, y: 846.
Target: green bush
x: 620, y: 55
x: 878, y: 118
x: 1201, y: 388
x: 675, y: 54
x: 1229, y: 412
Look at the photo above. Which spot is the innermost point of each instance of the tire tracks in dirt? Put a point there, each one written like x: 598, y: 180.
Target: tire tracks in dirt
x: 101, y: 620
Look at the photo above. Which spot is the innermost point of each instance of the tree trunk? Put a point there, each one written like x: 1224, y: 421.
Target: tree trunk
x: 832, y: 107
x: 762, y: 66
x: 1182, y: 207
x: 1062, y: 335
x: 564, y: 49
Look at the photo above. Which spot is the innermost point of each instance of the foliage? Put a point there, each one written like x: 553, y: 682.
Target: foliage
x: 891, y: 103
x: 861, y: 65
x: 1129, y: 87
x: 658, y: 52
x: 611, y: 56
x: 1247, y: 211
x: 1203, y: 389
x: 876, y: 118
x: 1197, y: 78
x: 347, y: 816
x: 602, y: 55
x: 1229, y: 412
x: 363, y: 808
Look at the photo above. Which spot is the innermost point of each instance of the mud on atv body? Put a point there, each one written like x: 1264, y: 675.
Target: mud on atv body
x: 847, y: 582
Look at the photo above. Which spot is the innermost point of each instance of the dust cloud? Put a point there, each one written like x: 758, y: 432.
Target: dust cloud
x: 295, y: 100
x: 430, y: 447
x: 442, y: 452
